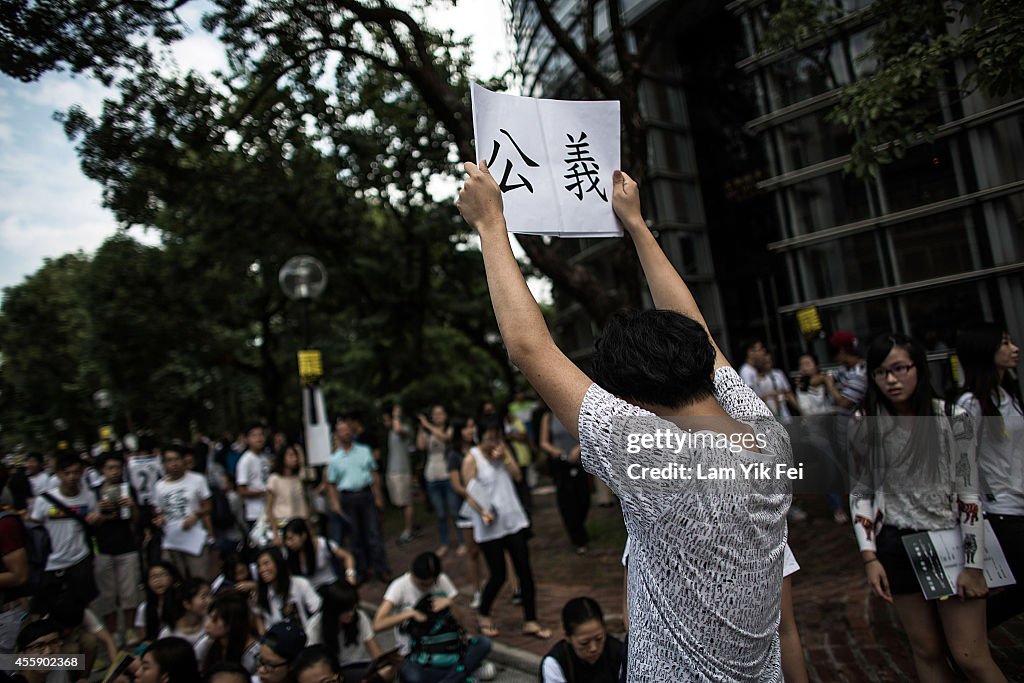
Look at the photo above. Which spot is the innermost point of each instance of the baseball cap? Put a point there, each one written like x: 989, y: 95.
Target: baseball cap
x: 844, y: 340
x: 286, y: 639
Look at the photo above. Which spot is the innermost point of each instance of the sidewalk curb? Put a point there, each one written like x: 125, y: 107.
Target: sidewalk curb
x: 510, y: 657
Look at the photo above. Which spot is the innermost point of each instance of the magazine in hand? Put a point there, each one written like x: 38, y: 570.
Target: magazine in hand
x: 937, y: 558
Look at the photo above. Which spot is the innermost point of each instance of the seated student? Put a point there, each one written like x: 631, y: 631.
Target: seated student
x: 168, y: 660
x: 191, y: 603
x: 40, y: 639
x: 281, y: 644
x: 655, y: 369
x: 235, y: 575
x: 587, y: 653
x: 424, y: 594
x: 347, y: 632
x: 230, y: 636
x: 228, y: 672
x: 83, y: 632
x: 281, y: 596
x: 438, y: 648
x: 158, y: 609
x: 315, y: 665
x: 311, y: 556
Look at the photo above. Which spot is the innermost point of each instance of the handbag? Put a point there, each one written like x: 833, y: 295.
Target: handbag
x: 261, y: 535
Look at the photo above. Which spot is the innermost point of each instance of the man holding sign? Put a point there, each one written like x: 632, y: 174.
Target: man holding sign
x: 705, y: 571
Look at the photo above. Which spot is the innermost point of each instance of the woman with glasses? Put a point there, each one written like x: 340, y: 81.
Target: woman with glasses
x: 281, y: 644
x: 989, y: 359
x: 913, y: 468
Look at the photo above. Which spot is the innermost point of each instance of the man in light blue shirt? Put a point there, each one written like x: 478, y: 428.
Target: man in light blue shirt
x: 355, y: 491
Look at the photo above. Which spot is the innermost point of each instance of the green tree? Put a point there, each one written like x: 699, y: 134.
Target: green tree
x: 917, y: 48
x: 46, y: 371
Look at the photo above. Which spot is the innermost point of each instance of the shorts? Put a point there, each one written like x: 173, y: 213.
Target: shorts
x: 118, y: 578
x: 400, y: 489
x: 893, y: 556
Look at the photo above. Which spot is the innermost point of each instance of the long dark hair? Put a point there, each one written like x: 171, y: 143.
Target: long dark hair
x: 155, y: 616
x: 869, y: 455
x: 186, y: 591
x: 458, y: 424
x: 278, y: 467
x: 233, y: 609
x: 299, y: 526
x: 975, y: 347
x: 176, y: 658
x: 282, y: 584
x: 339, y: 597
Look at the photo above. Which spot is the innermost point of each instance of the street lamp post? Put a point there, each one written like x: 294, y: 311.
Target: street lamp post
x: 302, y: 279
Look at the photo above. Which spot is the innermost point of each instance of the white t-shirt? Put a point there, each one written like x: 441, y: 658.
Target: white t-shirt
x: 303, y: 601
x: 775, y: 380
x: 181, y: 498
x: 192, y: 638
x: 1000, y: 449
x: 403, y: 594
x: 356, y: 652
x: 42, y: 482
x: 143, y: 473
x: 248, y: 661
x: 68, y: 543
x: 252, y: 472
x: 324, y: 573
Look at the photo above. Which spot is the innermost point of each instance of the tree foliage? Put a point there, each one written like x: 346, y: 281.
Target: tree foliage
x: 917, y: 49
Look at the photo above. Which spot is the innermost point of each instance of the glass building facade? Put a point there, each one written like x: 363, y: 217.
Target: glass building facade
x: 748, y: 191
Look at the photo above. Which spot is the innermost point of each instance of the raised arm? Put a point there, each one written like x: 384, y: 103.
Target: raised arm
x: 667, y: 287
x: 529, y: 344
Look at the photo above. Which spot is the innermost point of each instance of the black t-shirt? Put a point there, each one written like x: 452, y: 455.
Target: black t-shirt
x: 115, y: 536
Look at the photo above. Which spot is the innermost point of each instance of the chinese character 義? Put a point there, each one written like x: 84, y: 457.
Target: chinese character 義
x: 582, y: 167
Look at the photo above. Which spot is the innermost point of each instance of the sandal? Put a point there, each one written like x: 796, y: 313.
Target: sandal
x: 488, y: 629
x: 540, y: 633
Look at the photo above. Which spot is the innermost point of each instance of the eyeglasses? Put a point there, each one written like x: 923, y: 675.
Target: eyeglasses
x: 260, y: 662
x: 39, y: 646
x: 899, y: 371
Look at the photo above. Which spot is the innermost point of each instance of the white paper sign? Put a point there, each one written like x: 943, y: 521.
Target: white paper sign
x: 189, y: 540
x: 553, y: 160
x: 318, y: 432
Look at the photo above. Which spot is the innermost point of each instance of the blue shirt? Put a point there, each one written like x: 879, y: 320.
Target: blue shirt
x: 351, y: 470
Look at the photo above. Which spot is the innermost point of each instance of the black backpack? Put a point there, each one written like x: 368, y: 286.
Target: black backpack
x: 37, y: 547
x: 438, y: 641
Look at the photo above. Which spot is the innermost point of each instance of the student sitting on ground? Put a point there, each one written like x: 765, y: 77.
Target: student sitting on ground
x: 587, y: 653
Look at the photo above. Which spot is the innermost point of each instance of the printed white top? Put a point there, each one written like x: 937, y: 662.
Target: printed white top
x: 705, y: 569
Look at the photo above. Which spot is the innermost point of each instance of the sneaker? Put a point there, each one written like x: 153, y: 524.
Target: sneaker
x: 840, y: 517
x: 486, y: 672
x: 795, y: 514
x: 517, y: 597
x: 475, y: 602
x: 405, y: 537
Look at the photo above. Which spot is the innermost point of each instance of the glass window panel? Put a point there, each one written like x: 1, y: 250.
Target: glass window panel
x: 802, y: 77
x: 676, y: 201
x: 842, y: 266
x: 663, y: 103
x: 931, y: 247
x: 863, y: 64
x: 935, y: 315
x: 866, y: 319
x: 811, y: 139
x: 670, y: 151
x: 829, y: 200
x: 924, y: 176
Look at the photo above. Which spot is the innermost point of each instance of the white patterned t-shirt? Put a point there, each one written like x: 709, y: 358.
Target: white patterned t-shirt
x: 706, y: 557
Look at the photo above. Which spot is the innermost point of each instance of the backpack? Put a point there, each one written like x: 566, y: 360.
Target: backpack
x: 436, y: 642
x: 37, y: 547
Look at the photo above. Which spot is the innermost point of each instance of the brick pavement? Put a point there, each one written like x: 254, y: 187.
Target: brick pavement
x: 848, y: 635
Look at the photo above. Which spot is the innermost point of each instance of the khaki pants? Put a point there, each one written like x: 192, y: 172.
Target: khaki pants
x: 189, y: 565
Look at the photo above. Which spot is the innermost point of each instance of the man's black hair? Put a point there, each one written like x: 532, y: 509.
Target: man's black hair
x: 34, y: 630
x: 67, y: 458
x: 227, y: 668
x: 426, y: 566
x: 255, y: 425
x: 107, y: 457
x: 34, y: 455
x: 652, y: 357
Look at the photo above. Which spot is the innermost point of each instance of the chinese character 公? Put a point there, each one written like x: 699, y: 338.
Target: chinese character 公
x: 503, y: 184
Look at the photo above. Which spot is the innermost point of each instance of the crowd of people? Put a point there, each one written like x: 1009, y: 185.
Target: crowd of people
x: 236, y: 561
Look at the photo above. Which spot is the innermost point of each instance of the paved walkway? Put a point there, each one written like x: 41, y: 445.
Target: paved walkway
x: 848, y: 635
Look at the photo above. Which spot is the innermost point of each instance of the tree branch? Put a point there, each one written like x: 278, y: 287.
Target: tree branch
x: 565, y: 41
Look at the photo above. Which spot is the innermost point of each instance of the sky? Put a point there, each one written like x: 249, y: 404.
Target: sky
x: 47, y: 205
